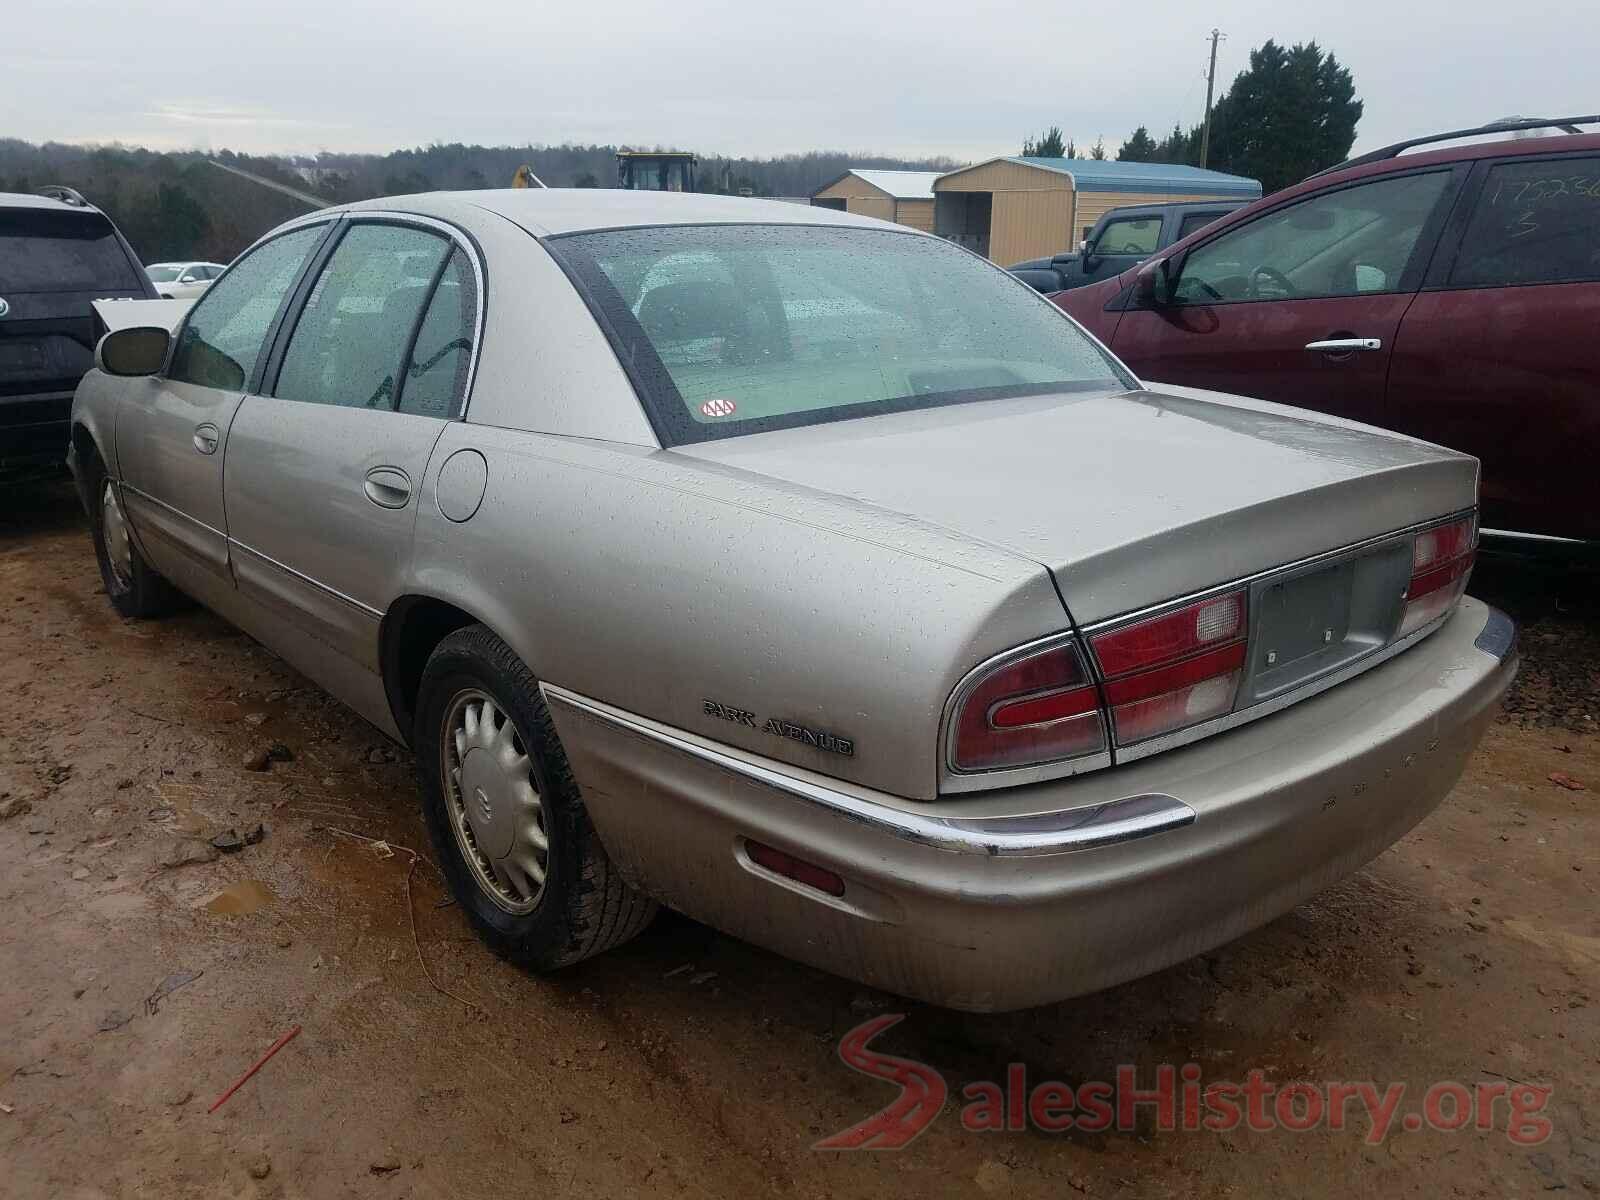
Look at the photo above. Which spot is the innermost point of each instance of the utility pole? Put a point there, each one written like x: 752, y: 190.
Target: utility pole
x: 1211, y: 79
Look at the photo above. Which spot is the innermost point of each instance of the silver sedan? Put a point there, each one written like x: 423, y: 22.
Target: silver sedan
x: 801, y: 572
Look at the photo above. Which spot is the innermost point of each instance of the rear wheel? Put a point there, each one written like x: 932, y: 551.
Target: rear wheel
x: 513, y: 837
x: 133, y: 585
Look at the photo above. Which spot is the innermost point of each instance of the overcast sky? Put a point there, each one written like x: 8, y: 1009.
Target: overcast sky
x: 951, y: 77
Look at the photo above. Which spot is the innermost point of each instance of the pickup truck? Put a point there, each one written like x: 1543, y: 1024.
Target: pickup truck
x: 1122, y: 238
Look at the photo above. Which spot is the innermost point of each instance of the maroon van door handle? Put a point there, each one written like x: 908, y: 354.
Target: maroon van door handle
x: 1345, y: 345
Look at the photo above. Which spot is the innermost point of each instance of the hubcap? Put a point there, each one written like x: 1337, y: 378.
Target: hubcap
x: 114, y: 527
x: 494, y: 806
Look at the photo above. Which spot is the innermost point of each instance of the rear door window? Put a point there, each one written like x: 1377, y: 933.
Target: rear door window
x: 436, y: 377
x: 353, y: 332
x: 1534, y: 222
x: 44, y: 251
x: 1194, y: 221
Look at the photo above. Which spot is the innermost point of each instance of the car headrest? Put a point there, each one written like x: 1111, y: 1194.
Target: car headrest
x: 691, y: 309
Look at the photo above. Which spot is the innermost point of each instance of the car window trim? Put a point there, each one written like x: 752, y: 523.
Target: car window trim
x: 272, y: 326
x: 1444, y: 263
x: 1410, y: 276
x: 345, y: 220
x: 289, y: 313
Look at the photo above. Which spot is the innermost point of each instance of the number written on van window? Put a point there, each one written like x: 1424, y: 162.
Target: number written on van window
x: 1535, y: 222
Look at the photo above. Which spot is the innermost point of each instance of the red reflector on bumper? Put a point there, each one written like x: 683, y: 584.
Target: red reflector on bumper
x: 794, y: 868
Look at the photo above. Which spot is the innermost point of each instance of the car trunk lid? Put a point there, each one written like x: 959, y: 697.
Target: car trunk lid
x: 1129, y: 499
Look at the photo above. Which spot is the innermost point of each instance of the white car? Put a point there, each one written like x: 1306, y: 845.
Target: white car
x: 183, y: 280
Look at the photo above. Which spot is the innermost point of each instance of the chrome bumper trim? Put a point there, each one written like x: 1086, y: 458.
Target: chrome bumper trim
x: 1517, y: 535
x: 1498, y: 637
x: 1114, y: 821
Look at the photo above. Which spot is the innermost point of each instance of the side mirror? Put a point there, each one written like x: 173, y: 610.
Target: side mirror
x: 1152, y: 285
x: 191, y: 278
x: 140, y: 350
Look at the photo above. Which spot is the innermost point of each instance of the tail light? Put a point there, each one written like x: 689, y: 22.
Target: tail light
x: 1040, y: 707
x: 1177, y: 669
x: 1441, y: 561
x: 1165, y: 673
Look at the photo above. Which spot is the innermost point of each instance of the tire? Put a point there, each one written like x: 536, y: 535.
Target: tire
x: 134, y: 587
x: 582, y: 906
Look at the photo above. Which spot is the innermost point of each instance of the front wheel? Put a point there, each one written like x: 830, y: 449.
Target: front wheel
x: 134, y: 587
x: 513, y: 837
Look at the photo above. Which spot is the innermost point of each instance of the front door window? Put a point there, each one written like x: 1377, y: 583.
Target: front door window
x: 1348, y: 242
x: 222, y: 339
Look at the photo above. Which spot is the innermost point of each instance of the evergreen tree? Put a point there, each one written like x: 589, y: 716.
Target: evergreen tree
x: 1140, y: 147
x: 1047, y: 145
x: 1290, y: 114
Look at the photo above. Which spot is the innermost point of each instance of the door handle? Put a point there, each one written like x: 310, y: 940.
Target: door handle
x: 1345, y: 345
x: 205, y: 438
x: 388, y: 487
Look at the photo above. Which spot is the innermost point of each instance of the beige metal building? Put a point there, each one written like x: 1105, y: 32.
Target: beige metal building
x: 904, y: 197
x: 1014, y: 209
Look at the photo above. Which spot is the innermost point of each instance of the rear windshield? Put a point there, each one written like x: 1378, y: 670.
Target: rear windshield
x: 161, y: 274
x: 61, y: 252
x: 734, y: 329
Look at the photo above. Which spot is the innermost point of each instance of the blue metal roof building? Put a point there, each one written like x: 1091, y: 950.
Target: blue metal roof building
x: 1108, y: 175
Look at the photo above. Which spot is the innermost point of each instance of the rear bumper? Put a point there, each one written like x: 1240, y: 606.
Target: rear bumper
x: 34, y: 431
x: 1033, y: 894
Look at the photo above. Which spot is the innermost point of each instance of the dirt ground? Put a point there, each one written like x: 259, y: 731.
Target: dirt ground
x: 687, y: 1062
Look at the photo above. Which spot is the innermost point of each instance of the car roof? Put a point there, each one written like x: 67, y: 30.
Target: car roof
x: 1176, y: 205
x: 1377, y: 168
x: 48, y: 203
x: 554, y: 211
x: 1501, y: 147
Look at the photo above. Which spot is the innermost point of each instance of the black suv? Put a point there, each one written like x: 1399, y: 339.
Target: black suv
x: 57, y: 254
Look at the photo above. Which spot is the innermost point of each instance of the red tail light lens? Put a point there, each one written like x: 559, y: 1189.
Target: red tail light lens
x: 1177, y: 669
x: 1039, y: 708
x: 1441, y: 561
x: 1188, y: 665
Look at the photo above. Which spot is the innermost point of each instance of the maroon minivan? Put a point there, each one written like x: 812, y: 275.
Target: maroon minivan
x: 1449, y: 294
